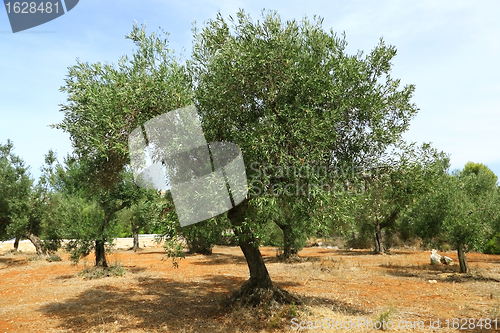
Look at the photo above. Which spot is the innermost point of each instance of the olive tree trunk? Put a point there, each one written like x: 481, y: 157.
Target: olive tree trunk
x: 100, y: 254
x: 37, y: 243
x: 100, y: 250
x: 135, y: 247
x: 288, y: 245
x: 462, y: 259
x: 16, y: 244
x: 379, y: 241
x: 259, y: 276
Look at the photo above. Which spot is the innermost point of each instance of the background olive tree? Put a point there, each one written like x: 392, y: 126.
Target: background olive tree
x: 460, y: 210
x: 105, y: 102
x: 395, y: 182
x: 15, y: 188
x: 26, y: 208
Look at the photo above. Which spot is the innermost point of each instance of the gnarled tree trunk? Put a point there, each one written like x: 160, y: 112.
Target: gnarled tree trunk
x: 135, y: 247
x: 100, y: 255
x: 259, y: 276
x: 462, y: 259
x: 379, y: 237
x: 288, y: 249
x: 37, y: 243
x: 100, y: 251
x: 379, y: 242
x: 259, y: 288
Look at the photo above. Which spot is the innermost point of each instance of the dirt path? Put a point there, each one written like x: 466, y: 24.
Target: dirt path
x: 38, y: 296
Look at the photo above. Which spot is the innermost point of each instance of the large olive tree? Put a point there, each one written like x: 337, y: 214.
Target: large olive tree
x: 289, y: 95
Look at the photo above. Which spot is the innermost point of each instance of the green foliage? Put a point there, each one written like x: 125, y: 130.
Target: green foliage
x: 83, y: 220
x: 398, y: 179
x: 287, y: 93
x: 270, y: 234
x: 283, y: 221
x: 105, y: 103
x: 15, y: 189
x: 53, y: 258
x: 459, y: 210
x: 290, y: 97
x: 174, y: 248
x: 142, y: 216
x: 201, y: 237
x: 489, y: 178
x: 493, y: 245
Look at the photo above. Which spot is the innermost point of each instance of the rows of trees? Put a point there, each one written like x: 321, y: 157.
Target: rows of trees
x: 320, y: 132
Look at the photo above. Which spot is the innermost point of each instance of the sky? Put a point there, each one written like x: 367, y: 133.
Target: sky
x: 450, y: 50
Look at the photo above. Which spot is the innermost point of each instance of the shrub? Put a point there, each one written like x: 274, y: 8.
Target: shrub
x: 101, y: 272
x: 53, y: 258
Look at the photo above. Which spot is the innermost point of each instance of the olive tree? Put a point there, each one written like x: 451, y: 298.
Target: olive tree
x: 400, y: 178
x: 290, y: 96
x: 26, y: 208
x: 105, y: 103
x: 16, y: 189
x: 459, y: 210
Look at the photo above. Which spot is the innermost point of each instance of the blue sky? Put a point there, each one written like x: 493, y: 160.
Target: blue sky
x: 449, y: 49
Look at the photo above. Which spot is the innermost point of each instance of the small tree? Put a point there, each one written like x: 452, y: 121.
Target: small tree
x: 459, y: 210
x: 97, y: 226
x: 15, y: 189
x: 293, y: 215
x: 26, y: 209
x: 44, y: 204
x: 143, y: 215
x: 397, y: 181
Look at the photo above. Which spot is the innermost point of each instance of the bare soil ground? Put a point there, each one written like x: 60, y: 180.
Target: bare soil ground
x: 152, y: 296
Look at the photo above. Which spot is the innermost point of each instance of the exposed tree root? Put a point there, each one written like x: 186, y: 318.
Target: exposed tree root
x: 248, y: 295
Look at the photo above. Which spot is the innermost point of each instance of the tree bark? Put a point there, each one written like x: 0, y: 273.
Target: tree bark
x: 100, y: 251
x: 37, y: 242
x: 135, y: 247
x: 16, y: 244
x: 288, y: 249
x: 379, y: 238
x: 379, y: 242
x: 259, y: 276
x: 462, y: 259
x: 100, y: 255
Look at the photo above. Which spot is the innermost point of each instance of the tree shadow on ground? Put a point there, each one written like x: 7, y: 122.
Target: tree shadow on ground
x: 163, y: 305
x: 336, y: 305
x: 221, y: 259
x: 486, y: 258
x: 348, y: 252
x: 152, y: 304
x: 12, y: 262
x: 442, y: 273
x: 134, y: 269
x: 146, y: 252
x: 292, y: 261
